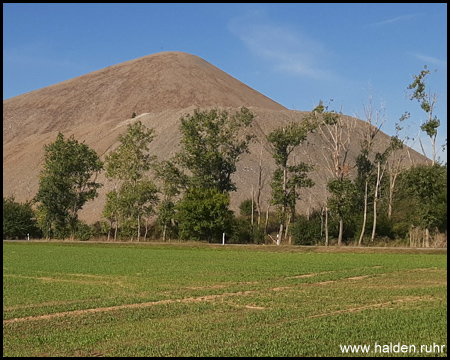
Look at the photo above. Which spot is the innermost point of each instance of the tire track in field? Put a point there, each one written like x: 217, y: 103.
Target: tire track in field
x: 223, y: 295
x: 168, y: 301
x: 127, y: 306
x: 153, y: 303
x: 83, y: 279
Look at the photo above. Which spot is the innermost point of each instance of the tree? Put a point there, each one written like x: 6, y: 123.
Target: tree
x: 363, y: 179
x: 135, y: 197
x: 111, y: 211
x: 288, y: 179
x: 203, y: 214
x: 136, y: 202
x: 256, y: 198
x: 212, y: 143
x: 424, y: 189
x: 395, y: 163
x: 18, y: 220
x: 65, y: 185
x: 427, y: 102
x: 172, y: 181
x: 336, y: 134
x: 341, y: 200
x: 130, y: 161
x: 364, y: 163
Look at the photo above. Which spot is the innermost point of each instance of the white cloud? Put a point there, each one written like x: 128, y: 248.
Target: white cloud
x: 393, y: 20
x: 289, y: 50
x: 431, y: 60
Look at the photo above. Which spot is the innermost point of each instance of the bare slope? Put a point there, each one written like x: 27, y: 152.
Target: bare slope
x: 160, y: 88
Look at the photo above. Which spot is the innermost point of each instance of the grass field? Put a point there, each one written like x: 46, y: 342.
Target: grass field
x: 84, y: 299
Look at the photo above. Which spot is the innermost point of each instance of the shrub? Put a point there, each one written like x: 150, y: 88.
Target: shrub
x: 19, y: 220
x: 244, y: 233
x: 306, y: 232
x: 246, y: 207
x: 83, y: 231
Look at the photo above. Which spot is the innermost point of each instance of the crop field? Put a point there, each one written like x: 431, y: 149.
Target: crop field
x: 194, y: 299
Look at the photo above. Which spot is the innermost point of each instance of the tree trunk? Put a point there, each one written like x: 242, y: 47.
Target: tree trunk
x: 267, y: 220
x: 252, y: 207
x: 286, y: 232
x: 146, y: 229
x: 391, y: 194
x: 115, y: 231
x: 280, y: 234
x: 326, y: 226
x: 258, y: 194
x: 365, y: 214
x: 283, y: 207
x: 375, y: 201
x: 138, y: 228
x: 341, y: 230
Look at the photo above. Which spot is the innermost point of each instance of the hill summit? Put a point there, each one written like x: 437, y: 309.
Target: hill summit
x: 153, y: 83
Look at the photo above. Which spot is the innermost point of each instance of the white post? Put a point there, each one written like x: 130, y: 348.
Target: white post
x: 223, y: 239
x: 28, y: 237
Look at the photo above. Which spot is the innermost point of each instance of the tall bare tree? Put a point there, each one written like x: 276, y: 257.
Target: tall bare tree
x: 364, y: 162
x: 336, y: 131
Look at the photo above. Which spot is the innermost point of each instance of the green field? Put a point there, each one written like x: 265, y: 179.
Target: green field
x: 85, y: 299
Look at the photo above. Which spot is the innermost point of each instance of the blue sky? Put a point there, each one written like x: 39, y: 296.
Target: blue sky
x: 296, y: 54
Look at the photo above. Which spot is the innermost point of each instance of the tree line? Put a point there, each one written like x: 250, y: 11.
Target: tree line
x: 188, y: 197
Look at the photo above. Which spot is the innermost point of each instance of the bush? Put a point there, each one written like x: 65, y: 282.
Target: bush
x: 101, y: 229
x: 246, y: 207
x: 83, y: 231
x: 19, y: 220
x: 306, y: 232
x: 203, y: 214
x: 244, y: 233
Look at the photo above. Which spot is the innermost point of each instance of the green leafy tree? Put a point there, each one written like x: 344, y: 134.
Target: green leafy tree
x: 341, y: 200
x: 130, y: 161
x: 288, y: 179
x: 19, y: 220
x: 137, y: 203
x: 381, y: 161
x: 65, y: 184
x: 427, y: 102
x: 136, y: 195
x: 172, y: 182
x: 166, y: 218
x: 212, y: 143
x: 421, y: 198
x: 203, y: 214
